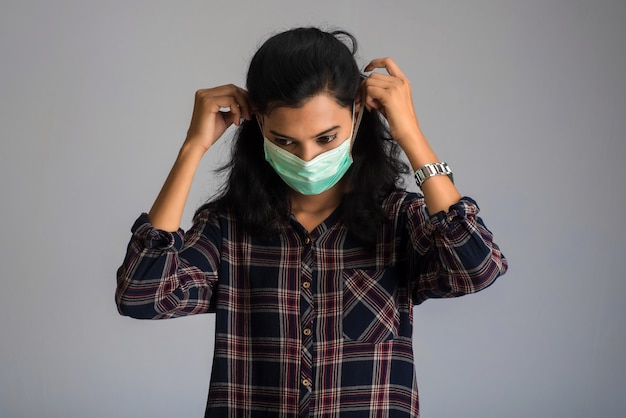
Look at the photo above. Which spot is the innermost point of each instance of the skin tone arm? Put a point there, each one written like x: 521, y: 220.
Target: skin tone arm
x: 391, y: 95
x: 206, y: 127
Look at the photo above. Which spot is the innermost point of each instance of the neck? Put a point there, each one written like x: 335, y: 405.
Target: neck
x: 324, y: 202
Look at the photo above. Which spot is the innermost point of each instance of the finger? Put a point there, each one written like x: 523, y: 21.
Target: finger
x: 230, y: 116
x: 375, y: 79
x: 234, y: 116
x: 378, y: 95
x: 386, y: 63
x: 371, y: 104
x: 228, y: 107
x: 243, y: 101
x: 240, y: 95
x: 373, y: 99
x: 382, y: 80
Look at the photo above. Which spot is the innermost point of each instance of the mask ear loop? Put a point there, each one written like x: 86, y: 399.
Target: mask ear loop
x: 260, y: 125
x: 355, y: 128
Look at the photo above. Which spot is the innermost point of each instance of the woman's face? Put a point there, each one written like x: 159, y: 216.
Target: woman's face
x: 319, y: 125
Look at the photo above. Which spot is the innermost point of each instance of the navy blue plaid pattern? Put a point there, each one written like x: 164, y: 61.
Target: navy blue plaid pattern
x: 310, y: 324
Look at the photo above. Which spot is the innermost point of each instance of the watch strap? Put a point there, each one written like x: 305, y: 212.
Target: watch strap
x: 434, y: 169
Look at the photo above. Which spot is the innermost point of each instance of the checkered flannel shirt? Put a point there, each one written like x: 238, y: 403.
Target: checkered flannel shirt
x: 310, y: 324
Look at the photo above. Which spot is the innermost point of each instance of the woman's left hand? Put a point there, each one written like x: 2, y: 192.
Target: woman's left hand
x: 390, y: 94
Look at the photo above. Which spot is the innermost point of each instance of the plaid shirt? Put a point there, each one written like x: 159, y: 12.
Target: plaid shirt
x: 310, y: 324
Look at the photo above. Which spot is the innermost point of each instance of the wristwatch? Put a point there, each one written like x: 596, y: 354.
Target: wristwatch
x: 435, y: 169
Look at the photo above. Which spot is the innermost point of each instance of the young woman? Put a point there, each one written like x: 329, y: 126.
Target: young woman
x: 312, y: 257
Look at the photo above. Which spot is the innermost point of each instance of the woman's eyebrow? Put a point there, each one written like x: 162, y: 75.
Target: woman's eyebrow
x: 314, y: 136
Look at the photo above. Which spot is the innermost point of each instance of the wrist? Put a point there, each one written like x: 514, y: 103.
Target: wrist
x: 417, y: 149
x: 427, y: 171
x: 408, y: 134
x: 191, y: 150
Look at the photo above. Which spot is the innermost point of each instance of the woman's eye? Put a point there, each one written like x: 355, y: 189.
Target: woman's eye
x: 327, y: 138
x: 283, y: 142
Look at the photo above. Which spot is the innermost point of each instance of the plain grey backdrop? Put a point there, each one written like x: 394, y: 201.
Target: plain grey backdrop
x: 526, y: 100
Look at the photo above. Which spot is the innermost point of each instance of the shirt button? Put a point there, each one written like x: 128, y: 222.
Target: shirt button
x: 306, y: 285
x: 306, y: 382
x: 307, y: 331
x: 307, y: 240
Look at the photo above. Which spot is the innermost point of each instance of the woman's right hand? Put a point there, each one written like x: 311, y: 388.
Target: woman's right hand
x: 208, y: 123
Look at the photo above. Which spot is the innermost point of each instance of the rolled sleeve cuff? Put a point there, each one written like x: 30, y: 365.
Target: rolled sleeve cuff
x: 466, y: 208
x: 156, y: 239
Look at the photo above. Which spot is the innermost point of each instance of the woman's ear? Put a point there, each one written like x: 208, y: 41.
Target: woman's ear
x: 357, y: 105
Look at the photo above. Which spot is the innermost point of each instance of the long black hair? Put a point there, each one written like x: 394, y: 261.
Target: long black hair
x: 287, y: 70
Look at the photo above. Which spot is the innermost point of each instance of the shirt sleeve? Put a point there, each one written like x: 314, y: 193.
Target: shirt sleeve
x: 453, y: 253
x: 169, y: 274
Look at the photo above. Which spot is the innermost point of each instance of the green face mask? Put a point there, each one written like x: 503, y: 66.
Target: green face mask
x: 314, y: 176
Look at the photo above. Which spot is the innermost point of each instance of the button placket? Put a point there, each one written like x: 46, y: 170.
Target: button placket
x: 307, y: 319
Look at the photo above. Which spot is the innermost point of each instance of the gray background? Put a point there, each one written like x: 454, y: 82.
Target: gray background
x: 525, y: 99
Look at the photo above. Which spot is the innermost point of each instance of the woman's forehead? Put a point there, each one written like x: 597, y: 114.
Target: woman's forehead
x: 320, y: 109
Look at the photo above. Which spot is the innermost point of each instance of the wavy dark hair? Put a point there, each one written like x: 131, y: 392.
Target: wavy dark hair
x: 287, y: 70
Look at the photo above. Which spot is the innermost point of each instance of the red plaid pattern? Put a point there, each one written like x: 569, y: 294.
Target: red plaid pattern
x: 310, y: 324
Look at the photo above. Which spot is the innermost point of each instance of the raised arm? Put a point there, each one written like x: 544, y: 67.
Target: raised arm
x: 391, y: 95
x: 167, y: 272
x: 207, y: 125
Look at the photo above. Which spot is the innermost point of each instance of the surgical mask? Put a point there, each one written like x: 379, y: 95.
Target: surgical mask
x: 317, y: 175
